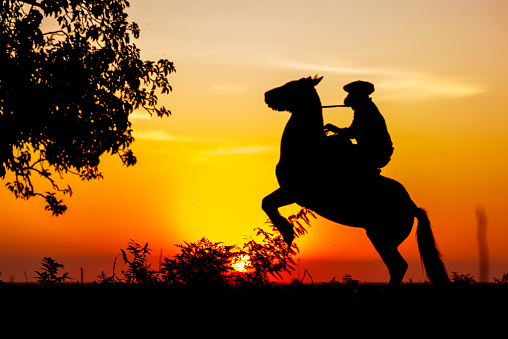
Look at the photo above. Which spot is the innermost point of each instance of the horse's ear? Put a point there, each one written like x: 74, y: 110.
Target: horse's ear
x: 316, y: 80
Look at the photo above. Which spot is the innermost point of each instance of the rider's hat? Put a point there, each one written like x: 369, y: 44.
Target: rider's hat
x: 359, y: 88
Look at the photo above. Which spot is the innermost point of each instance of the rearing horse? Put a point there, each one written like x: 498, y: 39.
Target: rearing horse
x: 312, y: 177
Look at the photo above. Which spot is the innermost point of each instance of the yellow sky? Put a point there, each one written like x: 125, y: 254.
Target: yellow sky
x: 439, y: 68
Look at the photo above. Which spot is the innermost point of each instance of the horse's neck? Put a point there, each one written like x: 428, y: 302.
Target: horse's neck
x: 304, y: 131
x: 307, y: 121
x: 311, y: 113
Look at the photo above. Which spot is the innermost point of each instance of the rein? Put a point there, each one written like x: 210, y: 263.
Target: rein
x: 331, y: 106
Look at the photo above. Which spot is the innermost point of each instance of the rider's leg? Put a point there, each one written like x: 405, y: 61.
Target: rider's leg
x: 390, y: 255
x: 271, y: 204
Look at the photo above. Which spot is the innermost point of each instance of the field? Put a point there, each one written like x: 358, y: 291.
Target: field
x: 198, y: 293
x: 324, y: 309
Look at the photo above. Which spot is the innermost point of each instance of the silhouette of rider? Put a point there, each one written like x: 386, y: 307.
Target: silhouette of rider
x: 374, y: 147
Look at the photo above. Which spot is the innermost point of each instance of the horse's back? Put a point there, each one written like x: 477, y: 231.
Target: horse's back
x: 393, y: 187
x: 366, y: 203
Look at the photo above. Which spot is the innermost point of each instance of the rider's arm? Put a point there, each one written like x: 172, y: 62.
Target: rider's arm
x: 332, y: 128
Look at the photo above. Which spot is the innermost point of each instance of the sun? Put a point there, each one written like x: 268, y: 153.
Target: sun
x: 241, y: 263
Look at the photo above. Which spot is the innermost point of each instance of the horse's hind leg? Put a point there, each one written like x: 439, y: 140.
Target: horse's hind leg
x: 271, y: 204
x: 390, y: 255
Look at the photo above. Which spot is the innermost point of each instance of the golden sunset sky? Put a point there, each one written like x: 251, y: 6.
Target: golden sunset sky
x: 440, y: 68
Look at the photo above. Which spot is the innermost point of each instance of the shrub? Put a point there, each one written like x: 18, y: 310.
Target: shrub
x: 138, y: 271
x: 108, y: 280
x: 48, y: 275
x: 503, y: 280
x: 462, y: 279
x: 203, y: 263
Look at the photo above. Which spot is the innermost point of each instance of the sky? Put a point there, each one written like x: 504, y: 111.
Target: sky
x: 439, y: 68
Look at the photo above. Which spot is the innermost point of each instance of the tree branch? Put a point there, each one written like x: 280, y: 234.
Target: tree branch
x: 33, y: 3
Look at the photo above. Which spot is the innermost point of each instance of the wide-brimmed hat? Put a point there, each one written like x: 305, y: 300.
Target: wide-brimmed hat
x: 359, y: 88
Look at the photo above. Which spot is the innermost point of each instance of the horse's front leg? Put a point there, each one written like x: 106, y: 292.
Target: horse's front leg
x: 271, y: 204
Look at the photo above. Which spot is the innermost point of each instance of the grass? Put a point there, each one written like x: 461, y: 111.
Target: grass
x: 323, y: 310
x: 346, y: 292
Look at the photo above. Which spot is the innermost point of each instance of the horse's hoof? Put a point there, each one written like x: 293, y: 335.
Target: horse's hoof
x: 286, y: 230
x: 289, y: 238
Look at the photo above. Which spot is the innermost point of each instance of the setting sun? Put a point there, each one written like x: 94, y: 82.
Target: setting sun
x: 241, y: 264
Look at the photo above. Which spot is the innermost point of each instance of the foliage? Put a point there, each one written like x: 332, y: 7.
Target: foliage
x: 199, y: 264
x: 108, y: 280
x: 104, y: 279
x: 462, y: 279
x: 66, y: 93
x: 503, y: 280
x: 211, y: 264
x: 49, y: 273
x: 347, y: 281
x: 269, y: 257
x: 302, y: 215
x: 138, y: 271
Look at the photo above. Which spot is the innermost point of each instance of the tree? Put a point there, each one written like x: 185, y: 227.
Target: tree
x: 66, y: 94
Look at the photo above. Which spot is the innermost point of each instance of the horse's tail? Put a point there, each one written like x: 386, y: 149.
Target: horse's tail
x: 429, y: 253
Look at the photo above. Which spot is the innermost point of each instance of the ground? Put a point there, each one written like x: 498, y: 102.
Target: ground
x: 339, y: 308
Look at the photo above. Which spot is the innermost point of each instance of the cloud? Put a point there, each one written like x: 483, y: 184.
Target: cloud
x: 405, y: 84
x: 159, y: 135
x: 412, y: 85
x: 323, y: 69
x: 139, y: 115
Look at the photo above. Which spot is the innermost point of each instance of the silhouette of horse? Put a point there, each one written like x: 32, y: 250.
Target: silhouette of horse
x: 312, y: 176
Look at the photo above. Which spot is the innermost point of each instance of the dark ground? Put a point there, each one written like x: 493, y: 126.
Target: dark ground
x: 280, y: 310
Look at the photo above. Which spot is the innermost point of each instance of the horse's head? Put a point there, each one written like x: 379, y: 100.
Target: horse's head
x: 292, y: 95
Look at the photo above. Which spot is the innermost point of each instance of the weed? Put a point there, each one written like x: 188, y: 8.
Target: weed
x: 503, y: 280
x: 462, y: 279
x: 138, y: 271
x: 199, y: 264
x: 48, y: 275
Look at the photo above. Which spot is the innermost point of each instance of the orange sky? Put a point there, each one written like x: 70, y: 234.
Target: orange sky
x: 440, y: 71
